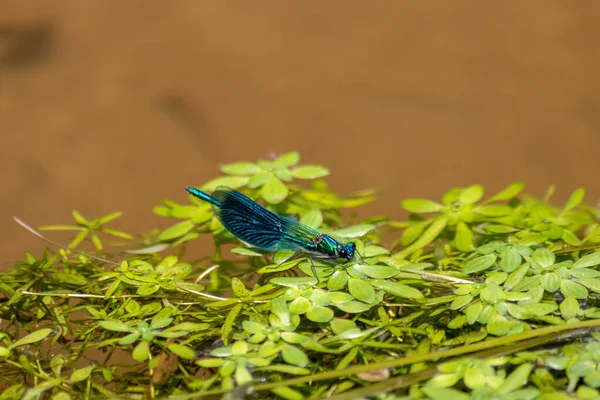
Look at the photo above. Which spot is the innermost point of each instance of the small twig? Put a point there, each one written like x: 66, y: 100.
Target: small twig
x: 36, y: 233
x: 404, y: 381
x: 591, y: 246
x: 210, y: 296
x: 82, y: 295
x: 208, y: 271
x: 437, y: 277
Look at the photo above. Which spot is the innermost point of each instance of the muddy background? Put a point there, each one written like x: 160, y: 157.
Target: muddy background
x: 116, y: 105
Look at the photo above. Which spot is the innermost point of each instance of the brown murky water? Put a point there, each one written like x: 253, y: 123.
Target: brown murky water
x: 116, y: 105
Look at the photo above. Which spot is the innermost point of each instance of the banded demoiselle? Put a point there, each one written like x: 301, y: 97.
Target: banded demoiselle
x: 263, y: 229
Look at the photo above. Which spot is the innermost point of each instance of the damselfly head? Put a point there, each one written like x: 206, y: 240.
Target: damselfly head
x: 347, y: 251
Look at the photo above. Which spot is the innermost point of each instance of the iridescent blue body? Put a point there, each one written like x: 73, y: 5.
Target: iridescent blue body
x: 261, y: 228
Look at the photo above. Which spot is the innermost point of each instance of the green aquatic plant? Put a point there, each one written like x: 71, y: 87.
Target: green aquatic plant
x: 485, y: 298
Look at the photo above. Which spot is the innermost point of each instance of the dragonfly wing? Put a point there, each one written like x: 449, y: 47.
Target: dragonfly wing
x: 299, y: 234
x: 249, y: 221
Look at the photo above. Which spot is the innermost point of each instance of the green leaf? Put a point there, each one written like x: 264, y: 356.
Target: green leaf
x: 473, y: 311
x: 471, y: 195
x: 159, y: 323
x: 228, y: 324
x: 517, y: 312
x: 339, y: 325
x: 147, y: 289
x: 589, y: 260
x: 299, y: 305
x: 421, y: 205
x: 354, y: 231
x: 309, y: 172
x: 551, y: 282
x: 244, y: 251
x: 337, y: 280
x: 493, y: 294
x: 558, y: 363
x: 570, y: 238
x: 176, y: 231
x: 295, y: 356
x: 592, y: 284
x: 397, y: 289
x: 479, y: 264
x: 497, y: 277
x: 376, y: 271
x: 292, y: 337
x: 287, y: 159
x: 33, y: 337
x: 128, y: 339
x: 260, y: 179
x: 463, y: 239
x: 508, y: 193
x: 353, y: 307
x: 543, y: 257
x: 81, y: 374
x: 109, y: 217
x: 141, y: 352
x: 540, y: 309
x: 340, y: 297
x: 234, y: 182
x: 461, y: 301
x: 499, y: 325
x: 313, y: 218
x: 319, y: 314
x: 79, y: 218
x: 361, y: 290
x: 569, y: 308
x: 60, y: 228
x: 112, y: 288
x: 573, y: 290
x: 575, y: 199
x: 73, y: 279
x: 294, y: 282
x: 430, y: 234
x: 210, y: 362
x: 239, y: 348
x: 96, y: 241
x: 240, y: 169
x: 221, y: 352
x: 584, y: 273
x: 502, y: 229
x: 495, y: 210
x: 284, y: 174
x: 284, y: 266
x: 413, y: 232
x: 238, y: 287
x: 443, y: 380
x: 518, y: 378
x: 375, y: 251
x: 491, y: 247
x: 435, y: 393
x: 474, y: 377
x: 253, y: 327
x: 582, y: 367
x: 274, y: 191
x: 181, y: 351
x: 527, y: 283
x: 287, y: 393
x: 280, y: 309
x: 510, y: 259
